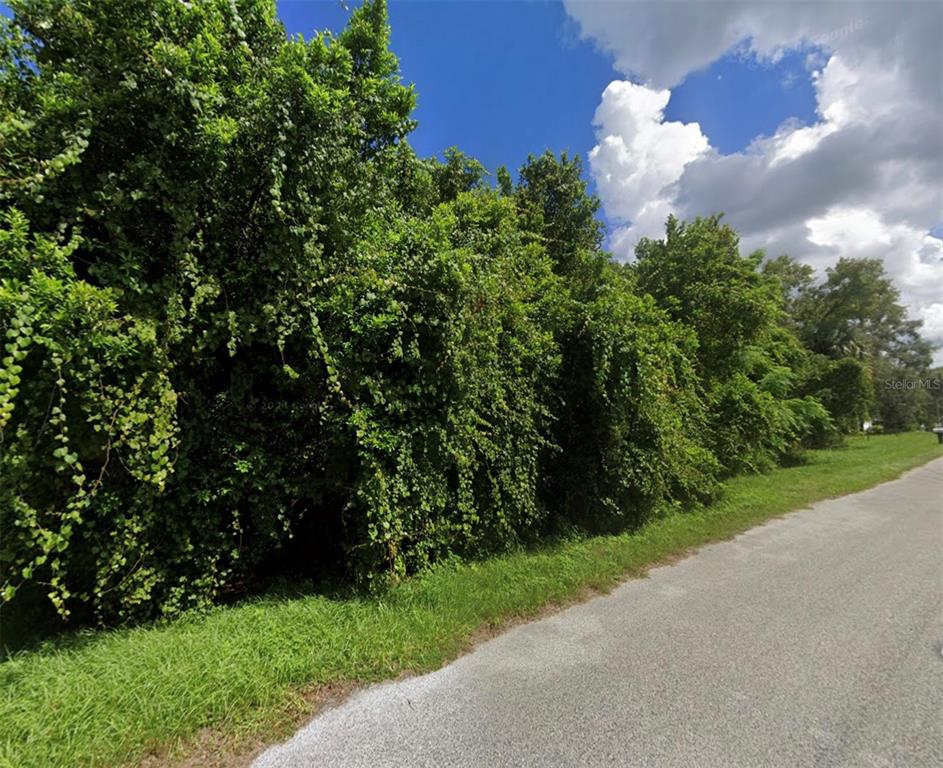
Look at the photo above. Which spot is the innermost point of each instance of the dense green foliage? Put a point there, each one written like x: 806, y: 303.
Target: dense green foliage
x: 247, y: 331
x: 870, y: 360
x: 81, y: 703
x: 748, y: 363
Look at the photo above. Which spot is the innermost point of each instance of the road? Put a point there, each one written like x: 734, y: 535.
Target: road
x: 813, y: 640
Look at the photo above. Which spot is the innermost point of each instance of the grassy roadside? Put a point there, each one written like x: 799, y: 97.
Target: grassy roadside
x: 117, y: 696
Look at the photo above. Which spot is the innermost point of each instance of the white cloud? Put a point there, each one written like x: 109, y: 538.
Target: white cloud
x: 912, y: 258
x: 639, y: 155
x: 856, y: 229
x: 933, y: 320
x: 864, y: 180
x: 836, y: 105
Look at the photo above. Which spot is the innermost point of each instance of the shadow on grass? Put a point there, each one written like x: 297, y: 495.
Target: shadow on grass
x: 32, y: 627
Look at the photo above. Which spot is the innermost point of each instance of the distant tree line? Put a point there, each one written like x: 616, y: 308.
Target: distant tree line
x: 248, y: 332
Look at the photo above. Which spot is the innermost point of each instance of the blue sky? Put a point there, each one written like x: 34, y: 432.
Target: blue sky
x: 739, y: 97
x: 504, y: 79
x: 496, y: 79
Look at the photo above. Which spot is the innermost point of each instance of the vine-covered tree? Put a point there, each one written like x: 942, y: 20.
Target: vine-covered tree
x: 203, y: 175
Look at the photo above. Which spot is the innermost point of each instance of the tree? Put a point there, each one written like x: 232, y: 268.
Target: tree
x: 698, y: 275
x: 441, y: 336
x: 459, y: 173
x: 554, y: 202
x: 845, y: 387
x: 631, y: 420
x: 856, y: 313
x: 795, y: 281
x: 932, y: 414
x: 745, y: 359
x: 627, y: 410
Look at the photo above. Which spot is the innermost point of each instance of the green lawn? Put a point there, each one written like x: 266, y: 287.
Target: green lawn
x: 114, y: 696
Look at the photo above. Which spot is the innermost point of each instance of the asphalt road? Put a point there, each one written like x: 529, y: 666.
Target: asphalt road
x: 814, y: 640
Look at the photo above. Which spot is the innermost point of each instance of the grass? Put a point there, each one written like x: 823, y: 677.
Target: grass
x: 112, y: 698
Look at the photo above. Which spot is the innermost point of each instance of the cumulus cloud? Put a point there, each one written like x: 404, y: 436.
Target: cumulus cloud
x: 863, y: 180
x: 639, y: 155
x: 933, y: 320
x: 913, y: 258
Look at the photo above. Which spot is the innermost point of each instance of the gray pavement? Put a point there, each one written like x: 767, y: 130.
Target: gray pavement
x: 813, y: 640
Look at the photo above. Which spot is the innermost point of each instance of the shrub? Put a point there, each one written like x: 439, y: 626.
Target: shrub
x: 746, y: 359
x: 440, y: 334
x: 632, y: 425
x: 202, y: 177
x: 845, y: 388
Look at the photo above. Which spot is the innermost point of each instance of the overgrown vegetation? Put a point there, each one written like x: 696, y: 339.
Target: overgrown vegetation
x: 248, y: 332
x: 108, y: 698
